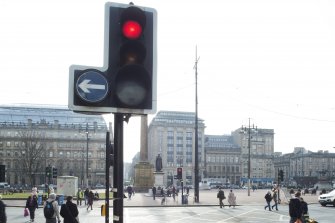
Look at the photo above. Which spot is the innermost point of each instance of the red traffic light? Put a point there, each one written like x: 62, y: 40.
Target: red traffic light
x: 131, y: 29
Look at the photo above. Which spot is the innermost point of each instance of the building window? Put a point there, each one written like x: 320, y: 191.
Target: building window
x: 8, y: 144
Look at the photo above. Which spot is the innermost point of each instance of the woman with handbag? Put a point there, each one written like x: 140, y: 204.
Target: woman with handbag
x: 69, y: 211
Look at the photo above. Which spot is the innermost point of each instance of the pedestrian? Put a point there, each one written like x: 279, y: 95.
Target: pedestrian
x: 231, y: 199
x: 90, y: 200
x: 80, y: 195
x: 86, y: 192
x: 174, y: 193
x: 3, y: 216
x: 221, y: 197
x: 295, y: 209
x: 32, y: 205
x: 154, y: 192
x: 187, y: 190
x: 304, y: 207
x: 69, y: 211
x: 275, y: 199
x: 130, y: 191
x: 50, y: 209
x: 268, y: 199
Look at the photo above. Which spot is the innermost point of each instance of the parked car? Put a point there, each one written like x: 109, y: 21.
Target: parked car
x: 328, y: 198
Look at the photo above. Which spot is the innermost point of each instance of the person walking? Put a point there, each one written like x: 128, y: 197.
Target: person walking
x: 86, y: 192
x: 3, y: 216
x: 295, y: 208
x: 174, y: 193
x: 275, y: 199
x: 232, y: 199
x: 268, y: 199
x: 50, y: 209
x: 304, y: 207
x: 32, y: 205
x: 221, y: 197
x: 90, y: 200
x: 130, y: 192
x: 80, y: 196
x: 69, y: 211
x: 154, y: 190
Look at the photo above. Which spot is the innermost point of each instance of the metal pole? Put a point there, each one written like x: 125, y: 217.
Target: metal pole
x: 87, y: 155
x: 118, y: 169
x: 249, y: 164
x: 107, y: 176
x: 196, y: 149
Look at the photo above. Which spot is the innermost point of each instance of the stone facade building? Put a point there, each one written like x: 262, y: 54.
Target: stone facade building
x: 172, y: 135
x: 223, y: 159
x: 33, y: 137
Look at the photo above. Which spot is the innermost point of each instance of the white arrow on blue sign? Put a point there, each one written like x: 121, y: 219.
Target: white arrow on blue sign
x: 92, y: 86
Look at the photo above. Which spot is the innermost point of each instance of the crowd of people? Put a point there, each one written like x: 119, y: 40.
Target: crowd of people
x: 298, y: 208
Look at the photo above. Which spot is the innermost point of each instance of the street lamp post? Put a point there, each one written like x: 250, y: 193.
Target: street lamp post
x: 248, y: 131
x: 87, y: 138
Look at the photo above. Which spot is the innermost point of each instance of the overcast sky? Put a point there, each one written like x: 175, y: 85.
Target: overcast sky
x: 271, y: 61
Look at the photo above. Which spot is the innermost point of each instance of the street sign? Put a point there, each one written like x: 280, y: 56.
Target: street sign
x: 92, y: 86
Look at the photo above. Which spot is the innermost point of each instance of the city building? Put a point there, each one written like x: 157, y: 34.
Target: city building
x: 171, y: 134
x: 305, y: 168
x: 34, y: 137
x: 259, y: 148
x: 222, y: 160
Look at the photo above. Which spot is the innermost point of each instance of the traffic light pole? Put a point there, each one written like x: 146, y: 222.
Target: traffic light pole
x: 107, y: 178
x: 118, y: 167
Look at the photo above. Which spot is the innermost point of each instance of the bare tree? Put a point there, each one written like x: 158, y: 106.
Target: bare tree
x: 32, y: 149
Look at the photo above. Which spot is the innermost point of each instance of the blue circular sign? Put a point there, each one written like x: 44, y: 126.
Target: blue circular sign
x: 92, y: 86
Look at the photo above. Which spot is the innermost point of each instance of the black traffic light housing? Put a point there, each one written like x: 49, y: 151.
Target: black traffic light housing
x: 127, y: 81
x: 48, y: 171
x: 179, y: 173
x: 54, y: 172
x: 110, y: 155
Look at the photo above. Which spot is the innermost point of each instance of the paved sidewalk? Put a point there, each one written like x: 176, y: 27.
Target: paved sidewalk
x: 206, y: 197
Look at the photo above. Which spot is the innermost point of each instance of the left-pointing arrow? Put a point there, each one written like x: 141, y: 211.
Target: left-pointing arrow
x: 85, y: 86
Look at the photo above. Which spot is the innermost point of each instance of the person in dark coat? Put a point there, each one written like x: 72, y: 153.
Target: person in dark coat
x: 154, y: 192
x: 90, y: 200
x: 3, y: 216
x: 268, y: 199
x: 295, y: 208
x: 221, y: 197
x: 69, y: 211
x: 32, y: 205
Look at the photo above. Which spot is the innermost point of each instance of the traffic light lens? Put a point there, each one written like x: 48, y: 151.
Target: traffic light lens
x: 132, y: 52
x: 132, y: 86
x: 132, y: 29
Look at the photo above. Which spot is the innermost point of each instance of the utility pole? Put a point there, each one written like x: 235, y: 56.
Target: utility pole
x: 196, y: 149
x: 248, y: 131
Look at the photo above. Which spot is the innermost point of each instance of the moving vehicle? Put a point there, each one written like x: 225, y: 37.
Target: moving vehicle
x: 328, y: 198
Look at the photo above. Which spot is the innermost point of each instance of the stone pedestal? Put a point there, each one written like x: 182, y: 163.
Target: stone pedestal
x: 159, y: 179
x: 144, y: 178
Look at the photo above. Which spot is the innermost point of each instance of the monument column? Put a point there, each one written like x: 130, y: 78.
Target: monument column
x: 144, y: 179
x: 144, y: 139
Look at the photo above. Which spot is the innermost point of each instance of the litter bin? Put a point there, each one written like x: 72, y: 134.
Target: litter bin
x: 60, y: 199
x: 184, y: 199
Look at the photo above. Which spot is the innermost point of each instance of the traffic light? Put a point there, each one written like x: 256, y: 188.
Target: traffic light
x: 54, y: 172
x: 48, y: 171
x: 180, y: 173
x: 127, y: 83
x: 110, y: 155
